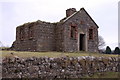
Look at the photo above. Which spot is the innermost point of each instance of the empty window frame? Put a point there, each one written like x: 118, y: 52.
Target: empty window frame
x: 22, y: 33
x: 81, y: 22
x: 91, y: 33
x: 73, y: 32
x: 30, y: 32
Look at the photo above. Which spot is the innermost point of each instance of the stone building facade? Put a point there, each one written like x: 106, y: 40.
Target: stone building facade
x: 76, y: 32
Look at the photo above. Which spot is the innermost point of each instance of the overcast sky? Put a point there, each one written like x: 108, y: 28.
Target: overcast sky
x: 14, y: 13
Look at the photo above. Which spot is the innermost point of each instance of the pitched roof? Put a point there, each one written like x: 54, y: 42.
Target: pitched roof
x: 67, y: 18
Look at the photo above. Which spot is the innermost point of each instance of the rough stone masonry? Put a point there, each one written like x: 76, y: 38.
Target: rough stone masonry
x: 76, y: 32
x: 62, y: 67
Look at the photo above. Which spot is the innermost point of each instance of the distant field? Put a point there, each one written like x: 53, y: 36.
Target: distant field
x: 52, y: 54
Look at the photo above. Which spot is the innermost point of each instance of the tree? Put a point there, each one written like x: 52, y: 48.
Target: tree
x: 101, y: 42
x: 117, y: 50
x: 0, y: 44
x: 108, y: 50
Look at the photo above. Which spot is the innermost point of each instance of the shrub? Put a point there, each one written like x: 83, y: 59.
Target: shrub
x: 108, y: 50
x: 117, y: 50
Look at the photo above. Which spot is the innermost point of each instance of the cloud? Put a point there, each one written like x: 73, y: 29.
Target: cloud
x: 17, y: 12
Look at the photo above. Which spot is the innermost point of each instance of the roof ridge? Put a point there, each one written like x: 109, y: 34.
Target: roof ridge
x: 70, y: 16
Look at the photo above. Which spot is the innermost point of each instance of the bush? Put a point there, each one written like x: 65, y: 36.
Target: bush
x: 108, y: 50
x: 117, y: 50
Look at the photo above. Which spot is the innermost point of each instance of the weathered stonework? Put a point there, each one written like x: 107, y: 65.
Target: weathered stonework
x: 56, y: 68
x: 76, y: 32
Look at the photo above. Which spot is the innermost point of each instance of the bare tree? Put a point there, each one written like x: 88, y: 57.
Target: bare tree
x: 101, y: 42
x: 1, y: 45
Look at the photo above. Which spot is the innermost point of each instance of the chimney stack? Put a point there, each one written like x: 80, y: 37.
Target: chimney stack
x: 70, y: 11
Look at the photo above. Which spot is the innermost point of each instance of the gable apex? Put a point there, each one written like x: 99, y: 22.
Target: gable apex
x: 89, y: 16
x: 81, y: 9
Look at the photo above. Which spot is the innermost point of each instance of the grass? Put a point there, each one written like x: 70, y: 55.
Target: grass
x: 52, y: 54
x: 104, y: 75
x: 4, y: 48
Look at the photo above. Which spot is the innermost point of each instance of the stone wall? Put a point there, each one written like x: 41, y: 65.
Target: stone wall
x: 35, y: 36
x: 25, y: 39
x: 59, y: 37
x: 63, y: 67
x: 83, y: 22
x: 45, y: 36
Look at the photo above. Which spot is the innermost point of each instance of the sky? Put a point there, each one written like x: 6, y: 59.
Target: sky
x: 119, y: 24
x: 17, y: 12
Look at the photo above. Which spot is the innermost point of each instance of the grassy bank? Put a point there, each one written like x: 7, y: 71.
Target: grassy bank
x: 52, y: 54
x: 104, y: 75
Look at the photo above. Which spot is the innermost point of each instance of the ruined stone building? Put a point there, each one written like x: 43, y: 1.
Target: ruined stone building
x: 76, y: 32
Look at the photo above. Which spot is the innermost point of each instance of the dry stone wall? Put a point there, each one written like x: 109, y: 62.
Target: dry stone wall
x: 63, y: 67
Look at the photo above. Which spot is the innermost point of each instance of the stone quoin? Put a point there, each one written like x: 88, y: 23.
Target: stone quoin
x: 76, y: 32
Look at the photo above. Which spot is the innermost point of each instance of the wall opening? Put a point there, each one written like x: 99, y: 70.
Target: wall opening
x: 22, y: 33
x: 73, y: 32
x: 91, y: 34
x: 81, y: 42
x: 30, y: 32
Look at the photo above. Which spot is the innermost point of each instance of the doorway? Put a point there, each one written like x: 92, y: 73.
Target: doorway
x: 81, y: 42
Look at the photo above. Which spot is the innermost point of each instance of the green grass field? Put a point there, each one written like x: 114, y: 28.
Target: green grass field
x: 52, y: 54
x: 104, y: 75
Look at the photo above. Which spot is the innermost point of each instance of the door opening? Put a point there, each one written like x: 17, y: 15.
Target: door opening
x: 82, y: 42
